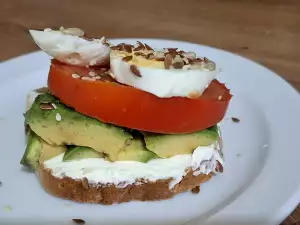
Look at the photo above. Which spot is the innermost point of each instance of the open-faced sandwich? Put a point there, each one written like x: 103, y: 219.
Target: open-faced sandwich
x: 123, y: 122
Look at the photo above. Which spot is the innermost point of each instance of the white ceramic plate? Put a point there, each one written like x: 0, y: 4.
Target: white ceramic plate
x: 260, y: 184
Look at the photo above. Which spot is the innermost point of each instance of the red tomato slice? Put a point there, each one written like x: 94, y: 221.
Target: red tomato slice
x: 125, y: 106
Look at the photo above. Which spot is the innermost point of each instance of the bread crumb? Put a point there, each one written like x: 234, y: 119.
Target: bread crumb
x: 238, y: 155
x: 78, y: 221
x: 196, y: 190
x: 7, y: 209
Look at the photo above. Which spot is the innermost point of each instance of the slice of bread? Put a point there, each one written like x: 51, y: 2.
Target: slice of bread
x: 81, y: 191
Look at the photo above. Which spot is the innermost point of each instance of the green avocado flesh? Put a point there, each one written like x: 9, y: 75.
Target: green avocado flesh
x: 80, y: 152
x: 38, y: 151
x: 64, y: 126
x: 169, y: 145
x: 54, y: 127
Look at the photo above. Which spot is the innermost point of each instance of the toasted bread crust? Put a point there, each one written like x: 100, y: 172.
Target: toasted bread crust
x: 81, y: 191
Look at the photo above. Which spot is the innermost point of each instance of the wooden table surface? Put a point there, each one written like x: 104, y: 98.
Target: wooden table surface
x: 266, y: 31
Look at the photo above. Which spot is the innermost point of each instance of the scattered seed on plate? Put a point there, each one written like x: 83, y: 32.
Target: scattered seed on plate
x: 235, y: 120
x: 220, y: 97
x: 58, y: 117
x: 1, y: 184
x: 78, y: 221
x: 75, y: 76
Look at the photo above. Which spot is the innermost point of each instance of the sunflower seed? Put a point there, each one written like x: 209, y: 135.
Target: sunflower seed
x: 177, y: 62
x: 178, y: 65
x: 168, y: 61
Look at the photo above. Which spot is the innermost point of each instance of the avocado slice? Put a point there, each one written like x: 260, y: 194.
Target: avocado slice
x: 164, y: 145
x: 80, y: 152
x: 64, y: 126
x: 37, y: 151
x: 50, y: 151
x: 134, y: 150
x: 33, y: 151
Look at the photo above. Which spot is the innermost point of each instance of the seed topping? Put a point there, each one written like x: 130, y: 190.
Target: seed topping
x: 58, y: 117
x: 75, y: 76
x: 135, y: 70
x: 46, y: 106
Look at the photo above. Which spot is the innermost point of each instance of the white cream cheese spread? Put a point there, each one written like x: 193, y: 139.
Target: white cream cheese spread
x: 122, y: 173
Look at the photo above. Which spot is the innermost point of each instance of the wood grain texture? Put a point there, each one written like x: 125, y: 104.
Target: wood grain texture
x: 267, y: 32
